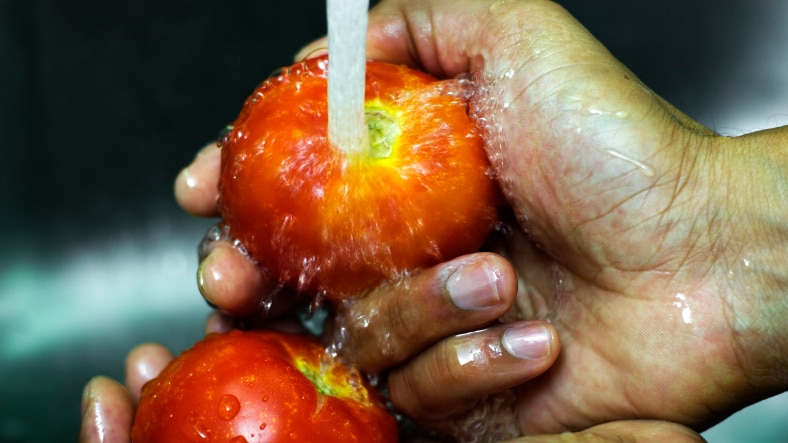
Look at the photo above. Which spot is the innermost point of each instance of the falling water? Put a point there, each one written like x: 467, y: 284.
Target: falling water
x: 347, y: 30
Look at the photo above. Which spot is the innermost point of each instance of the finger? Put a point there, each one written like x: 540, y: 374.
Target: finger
x: 218, y: 323
x: 433, y: 36
x: 315, y: 49
x: 197, y: 185
x: 107, y: 412
x: 453, y: 376
x: 397, y: 321
x: 631, y: 431
x: 143, y: 364
x: 232, y: 283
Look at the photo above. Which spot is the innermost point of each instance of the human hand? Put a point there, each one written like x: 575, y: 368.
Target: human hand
x: 642, y: 236
x: 639, y: 228
x: 108, y: 406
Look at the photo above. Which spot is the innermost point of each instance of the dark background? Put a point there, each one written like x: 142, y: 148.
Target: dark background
x: 101, y: 104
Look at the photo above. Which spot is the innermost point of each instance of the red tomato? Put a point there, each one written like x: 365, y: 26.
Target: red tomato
x: 260, y: 386
x: 323, y: 222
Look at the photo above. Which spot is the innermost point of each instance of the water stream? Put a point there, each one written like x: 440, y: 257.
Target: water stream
x: 347, y: 37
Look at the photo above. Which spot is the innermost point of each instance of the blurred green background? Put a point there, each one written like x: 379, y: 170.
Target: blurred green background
x: 101, y: 103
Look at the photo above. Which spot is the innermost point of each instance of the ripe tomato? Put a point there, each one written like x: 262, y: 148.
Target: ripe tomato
x: 260, y: 386
x: 325, y: 222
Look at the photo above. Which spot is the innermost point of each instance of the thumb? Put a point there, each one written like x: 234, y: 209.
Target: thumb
x: 576, y: 140
x: 632, y: 431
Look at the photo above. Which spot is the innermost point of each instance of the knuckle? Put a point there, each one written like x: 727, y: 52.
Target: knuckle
x: 428, y: 387
x: 405, y: 333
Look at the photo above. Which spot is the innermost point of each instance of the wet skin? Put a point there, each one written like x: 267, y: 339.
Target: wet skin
x: 640, y: 263
x: 654, y: 252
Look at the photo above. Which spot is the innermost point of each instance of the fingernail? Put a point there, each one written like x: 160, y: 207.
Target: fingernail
x: 528, y: 341
x: 474, y: 287
x: 312, y: 50
x: 205, y: 283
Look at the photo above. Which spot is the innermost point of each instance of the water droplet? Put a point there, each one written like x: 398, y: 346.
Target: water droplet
x: 262, y: 426
x: 225, y: 136
x: 618, y: 114
x: 194, y: 431
x: 229, y: 407
x: 256, y: 97
x: 317, y: 302
x: 506, y: 73
x: 686, y: 312
x: 595, y: 111
x: 647, y: 170
x: 239, y: 439
x: 215, y: 233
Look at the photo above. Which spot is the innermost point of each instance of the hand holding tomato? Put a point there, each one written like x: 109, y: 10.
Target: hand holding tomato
x: 334, y: 221
x: 108, y: 406
x: 586, y: 155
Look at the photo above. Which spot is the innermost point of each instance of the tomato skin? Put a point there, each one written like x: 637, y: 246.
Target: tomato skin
x: 322, y: 222
x: 247, y: 387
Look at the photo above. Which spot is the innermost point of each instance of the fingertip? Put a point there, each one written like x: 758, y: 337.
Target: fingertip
x: 197, y: 185
x: 463, y: 369
x: 230, y: 281
x: 315, y: 49
x: 480, y: 281
x: 532, y: 340
x: 218, y: 323
x: 143, y: 364
x: 107, y: 412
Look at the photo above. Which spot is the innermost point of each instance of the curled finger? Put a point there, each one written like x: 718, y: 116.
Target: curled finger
x: 399, y: 320
x: 197, y: 185
x: 143, y: 364
x: 107, y: 412
x: 232, y: 283
x: 452, y: 377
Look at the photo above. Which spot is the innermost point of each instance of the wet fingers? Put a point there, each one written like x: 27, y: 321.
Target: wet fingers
x: 107, y: 412
x: 144, y: 363
x: 397, y: 321
x: 230, y: 282
x: 197, y: 185
x: 453, y: 376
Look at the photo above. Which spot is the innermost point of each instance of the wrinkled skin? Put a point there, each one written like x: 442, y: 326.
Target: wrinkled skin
x: 643, y: 237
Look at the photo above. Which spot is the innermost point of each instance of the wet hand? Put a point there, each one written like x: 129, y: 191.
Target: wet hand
x: 632, y: 431
x: 227, y: 279
x: 624, y: 237
x: 108, y: 406
x: 629, y: 237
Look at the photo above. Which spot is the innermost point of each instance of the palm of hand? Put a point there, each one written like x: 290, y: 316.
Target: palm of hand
x: 626, y: 266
